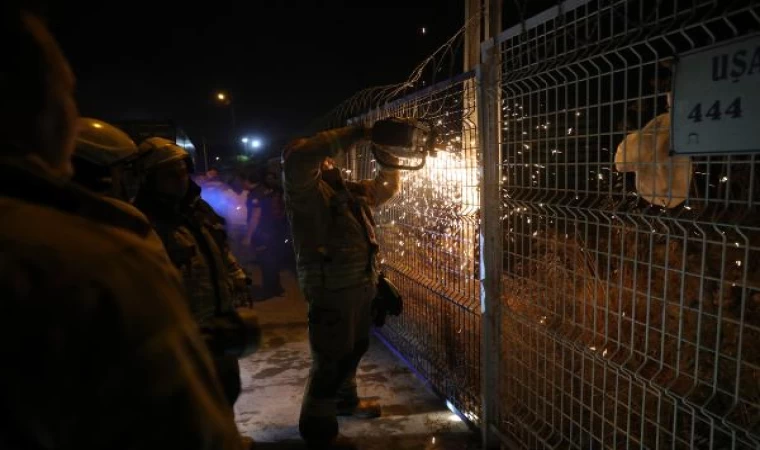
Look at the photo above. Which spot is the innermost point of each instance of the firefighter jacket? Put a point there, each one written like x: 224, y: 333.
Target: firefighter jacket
x: 332, y: 225
x: 98, y: 348
x: 196, y: 240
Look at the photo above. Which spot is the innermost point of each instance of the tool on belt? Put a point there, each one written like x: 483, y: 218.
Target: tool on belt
x: 387, y: 301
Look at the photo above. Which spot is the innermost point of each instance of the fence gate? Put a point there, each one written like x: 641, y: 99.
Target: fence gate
x: 630, y: 313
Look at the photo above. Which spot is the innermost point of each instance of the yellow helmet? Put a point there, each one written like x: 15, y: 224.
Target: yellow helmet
x: 103, y: 144
x: 158, y: 151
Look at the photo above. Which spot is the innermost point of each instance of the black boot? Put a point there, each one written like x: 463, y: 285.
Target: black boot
x: 361, y: 409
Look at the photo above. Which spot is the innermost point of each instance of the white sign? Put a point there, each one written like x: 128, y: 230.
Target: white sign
x: 716, y: 99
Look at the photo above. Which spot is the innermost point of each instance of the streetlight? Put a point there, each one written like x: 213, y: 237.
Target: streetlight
x: 225, y: 100
x: 253, y: 143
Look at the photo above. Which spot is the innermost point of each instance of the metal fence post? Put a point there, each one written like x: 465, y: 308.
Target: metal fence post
x: 491, y: 238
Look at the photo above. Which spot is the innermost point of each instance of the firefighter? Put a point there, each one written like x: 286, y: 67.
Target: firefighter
x: 335, y: 245
x: 98, y: 348
x: 196, y: 241
x: 101, y: 154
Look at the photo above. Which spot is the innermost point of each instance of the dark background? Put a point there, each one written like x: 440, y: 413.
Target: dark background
x: 283, y: 66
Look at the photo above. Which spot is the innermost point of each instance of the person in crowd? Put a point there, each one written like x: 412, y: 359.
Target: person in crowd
x: 273, y: 179
x: 212, y: 174
x: 264, y: 234
x: 335, y: 246
x: 98, y: 347
x: 212, y: 180
x: 195, y: 238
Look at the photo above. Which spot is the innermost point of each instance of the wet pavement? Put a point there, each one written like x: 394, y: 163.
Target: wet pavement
x: 274, y: 377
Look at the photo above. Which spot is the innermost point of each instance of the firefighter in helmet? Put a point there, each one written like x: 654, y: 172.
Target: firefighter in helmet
x: 195, y: 238
x: 336, y: 247
x: 101, y: 156
x: 99, y: 350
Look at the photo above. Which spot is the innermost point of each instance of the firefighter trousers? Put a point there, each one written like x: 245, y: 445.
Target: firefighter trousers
x: 339, y: 327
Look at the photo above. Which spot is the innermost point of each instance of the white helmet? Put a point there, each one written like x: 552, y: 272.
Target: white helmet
x: 103, y: 144
x: 159, y: 151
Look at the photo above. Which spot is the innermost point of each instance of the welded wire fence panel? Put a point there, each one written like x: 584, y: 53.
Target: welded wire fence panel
x: 429, y: 244
x: 631, y: 305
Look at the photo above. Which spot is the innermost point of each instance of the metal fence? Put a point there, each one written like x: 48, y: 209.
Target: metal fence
x: 429, y: 243
x: 630, y: 304
x: 607, y: 293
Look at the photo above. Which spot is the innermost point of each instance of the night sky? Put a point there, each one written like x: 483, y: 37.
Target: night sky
x: 283, y: 66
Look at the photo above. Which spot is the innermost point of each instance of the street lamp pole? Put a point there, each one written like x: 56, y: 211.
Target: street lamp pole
x: 232, y: 114
x: 226, y: 100
x: 205, y: 153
